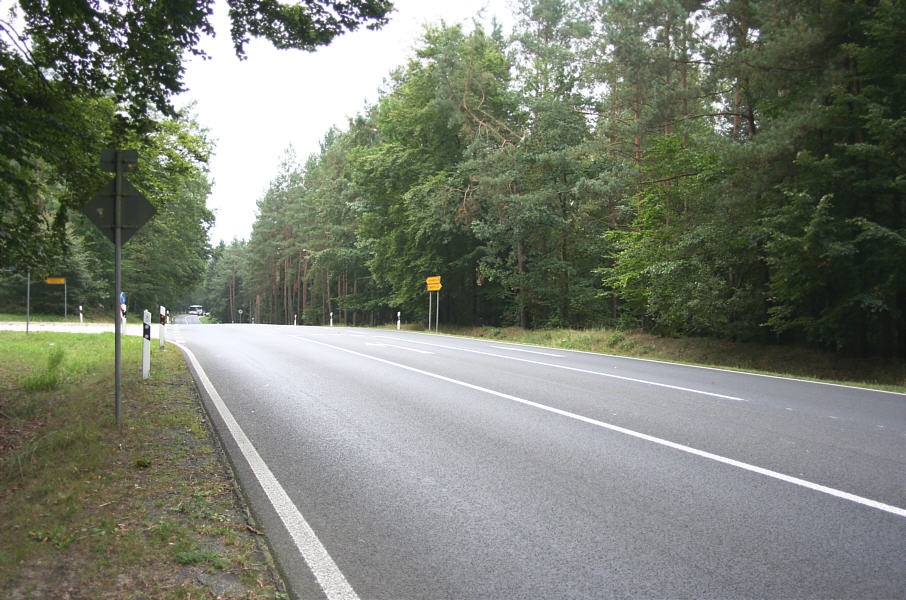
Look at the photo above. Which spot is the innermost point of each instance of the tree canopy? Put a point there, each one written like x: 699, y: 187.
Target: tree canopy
x: 725, y: 168
x: 729, y: 168
x: 78, y: 76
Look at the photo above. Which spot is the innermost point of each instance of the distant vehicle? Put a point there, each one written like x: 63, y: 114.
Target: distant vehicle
x: 195, y: 309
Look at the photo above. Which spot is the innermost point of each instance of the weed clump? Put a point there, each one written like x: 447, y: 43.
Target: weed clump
x: 49, y: 378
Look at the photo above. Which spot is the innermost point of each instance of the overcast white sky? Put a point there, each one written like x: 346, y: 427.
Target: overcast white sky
x: 256, y: 108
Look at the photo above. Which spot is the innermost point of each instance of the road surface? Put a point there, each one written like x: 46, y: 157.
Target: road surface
x: 387, y: 464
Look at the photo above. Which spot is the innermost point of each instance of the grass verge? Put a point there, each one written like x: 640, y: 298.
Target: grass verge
x: 760, y: 358
x: 93, y: 511
x: 93, y: 316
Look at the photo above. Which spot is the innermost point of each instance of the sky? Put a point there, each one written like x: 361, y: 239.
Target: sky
x: 256, y: 108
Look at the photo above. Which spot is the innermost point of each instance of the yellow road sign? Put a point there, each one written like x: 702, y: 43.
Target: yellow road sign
x: 433, y: 280
x: 55, y: 280
x: 433, y: 287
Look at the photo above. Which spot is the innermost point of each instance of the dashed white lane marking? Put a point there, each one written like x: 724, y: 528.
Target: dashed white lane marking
x: 586, y: 371
x: 399, y: 347
x: 528, y: 351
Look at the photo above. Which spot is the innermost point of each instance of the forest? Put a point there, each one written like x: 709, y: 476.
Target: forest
x: 731, y: 169
x: 80, y: 77
x: 726, y: 168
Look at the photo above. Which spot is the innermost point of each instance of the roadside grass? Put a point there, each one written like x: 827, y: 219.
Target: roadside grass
x: 38, y: 317
x: 767, y: 359
x: 93, y: 316
x: 93, y: 511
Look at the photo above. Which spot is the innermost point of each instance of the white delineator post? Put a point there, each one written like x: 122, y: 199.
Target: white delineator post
x: 146, y: 344
x: 80, y: 314
x: 398, y: 313
x: 162, y: 330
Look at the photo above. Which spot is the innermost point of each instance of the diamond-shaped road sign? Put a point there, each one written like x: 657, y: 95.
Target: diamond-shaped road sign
x: 136, y: 209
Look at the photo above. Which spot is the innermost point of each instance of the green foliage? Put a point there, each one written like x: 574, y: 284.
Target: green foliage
x: 688, y: 262
x: 77, y: 77
x: 306, y: 25
x: 538, y: 225
x: 167, y: 258
x: 723, y: 169
x: 162, y: 263
x: 836, y: 245
x: 224, y: 283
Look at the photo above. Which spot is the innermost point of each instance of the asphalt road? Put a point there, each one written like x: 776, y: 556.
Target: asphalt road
x: 388, y: 464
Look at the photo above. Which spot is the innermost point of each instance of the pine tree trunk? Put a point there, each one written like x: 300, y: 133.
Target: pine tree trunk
x: 520, y: 257
x: 232, y: 294
x: 304, y: 286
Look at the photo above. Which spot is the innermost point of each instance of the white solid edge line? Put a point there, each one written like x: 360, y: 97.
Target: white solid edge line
x: 586, y: 371
x: 325, y: 570
x: 895, y: 510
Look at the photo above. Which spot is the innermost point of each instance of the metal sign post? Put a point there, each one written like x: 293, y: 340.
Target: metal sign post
x: 434, y: 285
x: 117, y: 293
x: 60, y: 281
x: 118, y: 210
x: 27, y: 299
